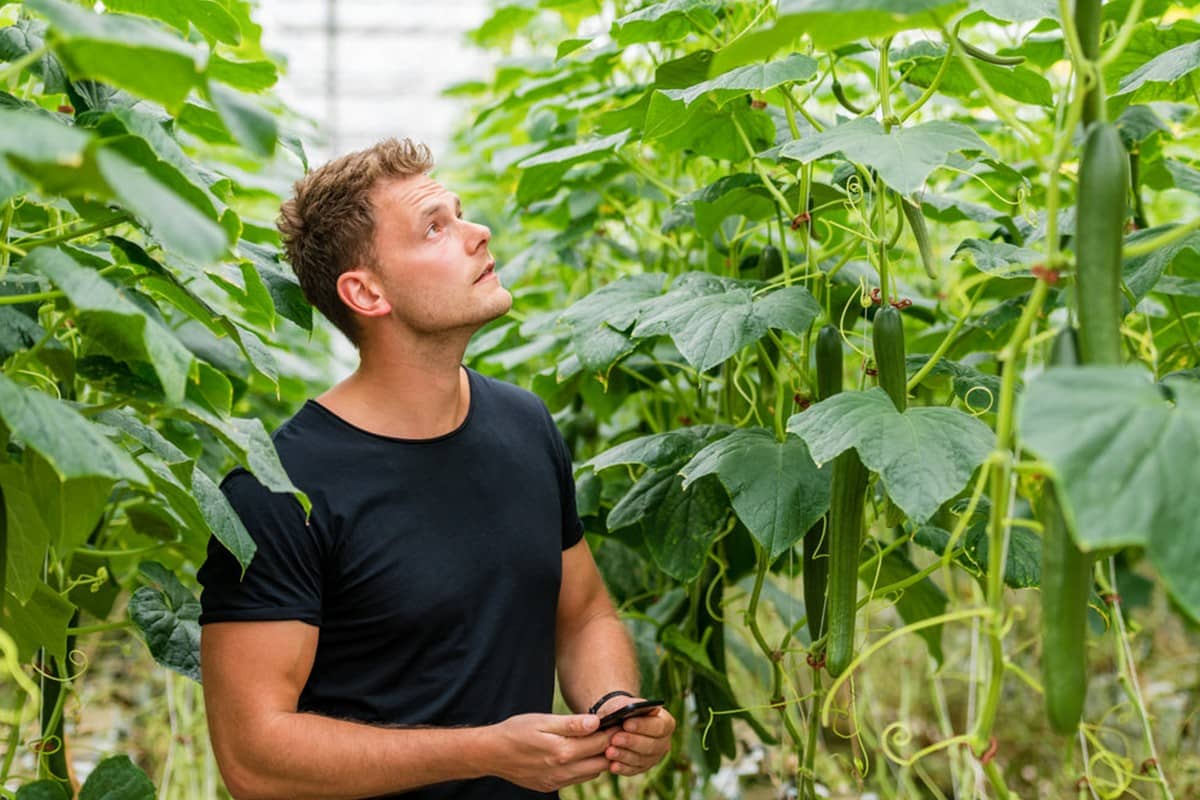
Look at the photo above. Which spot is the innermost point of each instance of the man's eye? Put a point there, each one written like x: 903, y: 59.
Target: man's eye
x: 432, y: 229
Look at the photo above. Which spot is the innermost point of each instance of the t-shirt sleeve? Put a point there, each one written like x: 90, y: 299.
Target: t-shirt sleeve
x: 572, y: 526
x: 284, y: 579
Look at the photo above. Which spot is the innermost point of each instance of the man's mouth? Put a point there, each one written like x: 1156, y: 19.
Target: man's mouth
x: 491, y: 267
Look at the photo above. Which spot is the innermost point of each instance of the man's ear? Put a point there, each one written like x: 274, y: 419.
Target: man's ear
x: 360, y: 290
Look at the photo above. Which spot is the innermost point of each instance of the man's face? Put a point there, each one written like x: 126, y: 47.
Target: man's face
x: 434, y: 265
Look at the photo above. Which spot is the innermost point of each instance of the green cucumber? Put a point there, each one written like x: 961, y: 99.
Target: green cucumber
x: 839, y: 94
x: 845, y: 535
x: 916, y: 223
x: 816, y: 541
x: 888, y: 337
x: 1088, y: 20
x: 1100, y: 228
x: 770, y: 263
x: 990, y: 58
x: 1066, y: 585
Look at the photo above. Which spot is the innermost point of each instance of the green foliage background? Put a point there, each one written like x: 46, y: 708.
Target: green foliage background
x: 681, y: 194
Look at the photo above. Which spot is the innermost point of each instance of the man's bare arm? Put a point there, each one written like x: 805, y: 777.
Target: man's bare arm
x: 596, y: 656
x: 253, y: 674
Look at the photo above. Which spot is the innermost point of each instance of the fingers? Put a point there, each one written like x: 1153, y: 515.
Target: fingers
x: 641, y: 743
x: 658, y: 724
x: 569, y: 724
x: 586, y: 770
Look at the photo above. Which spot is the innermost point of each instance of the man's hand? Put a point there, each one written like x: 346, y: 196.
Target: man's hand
x: 640, y: 742
x: 546, y: 752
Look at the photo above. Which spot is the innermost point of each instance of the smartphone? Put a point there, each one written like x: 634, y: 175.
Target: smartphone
x: 632, y: 710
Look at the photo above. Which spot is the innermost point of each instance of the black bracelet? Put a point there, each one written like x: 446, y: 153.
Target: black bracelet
x: 618, y: 693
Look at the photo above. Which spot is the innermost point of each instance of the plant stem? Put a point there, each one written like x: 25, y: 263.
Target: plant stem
x: 1128, y: 677
x: 99, y: 628
x: 884, y: 87
x: 10, y: 209
x: 1121, y: 40
x: 935, y: 84
x: 944, y: 346
x: 881, y: 233
x: 78, y: 233
x: 762, y: 173
x: 17, y: 299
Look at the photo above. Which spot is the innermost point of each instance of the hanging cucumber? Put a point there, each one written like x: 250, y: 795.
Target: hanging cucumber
x: 888, y: 337
x: 990, y: 58
x: 1087, y: 24
x: 1100, y: 225
x: 770, y: 263
x: 845, y: 535
x: 1066, y: 584
x: 816, y: 541
x: 916, y: 222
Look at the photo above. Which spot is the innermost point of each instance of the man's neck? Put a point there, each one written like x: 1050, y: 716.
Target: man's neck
x: 411, y: 393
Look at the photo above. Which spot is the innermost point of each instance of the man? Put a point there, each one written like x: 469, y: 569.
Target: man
x: 405, y: 635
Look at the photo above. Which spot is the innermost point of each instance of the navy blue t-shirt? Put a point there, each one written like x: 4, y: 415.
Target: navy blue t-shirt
x: 432, y: 567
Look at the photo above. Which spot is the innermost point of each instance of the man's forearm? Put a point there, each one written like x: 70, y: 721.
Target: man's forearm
x: 300, y: 755
x: 597, y: 658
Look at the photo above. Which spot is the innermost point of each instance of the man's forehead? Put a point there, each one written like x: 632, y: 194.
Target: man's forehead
x: 418, y: 194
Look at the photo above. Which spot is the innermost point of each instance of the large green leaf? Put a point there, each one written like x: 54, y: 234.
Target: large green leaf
x: 776, y: 489
x: 36, y: 139
x: 1001, y: 259
x: 833, y: 22
x: 904, y: 158
x: 281, y: 283
x: 710, y: 320
x: 224, y: 522
x: 708, y: 129
x: 117, y: 778
x: 681, y: 525
x: 27, y: 36
x: 46, y: 789
x: 742, y: 193
x: 39, y: 622
x: 751, y: 78
x: 599, y: 321
x: 169, y: 617
x: 924, y: 456
x: 659, y: 450
x: 1149, y: 42
x: 121, y: 328
x: 167, y: 215
x: 209, y: 16
x: 70, y: 508
x: 251, y: 125
x: 1143, y: 273
x: 251, y: 445
x: 666, y: 21
x: 543, y: 172
x: 127, y: 51
x: 1123, y: 454
x: 26, y: 552
x: 1019, y: 10
x: 1020, y: 83
x: 1168, y: 67
x: 71, y: 443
